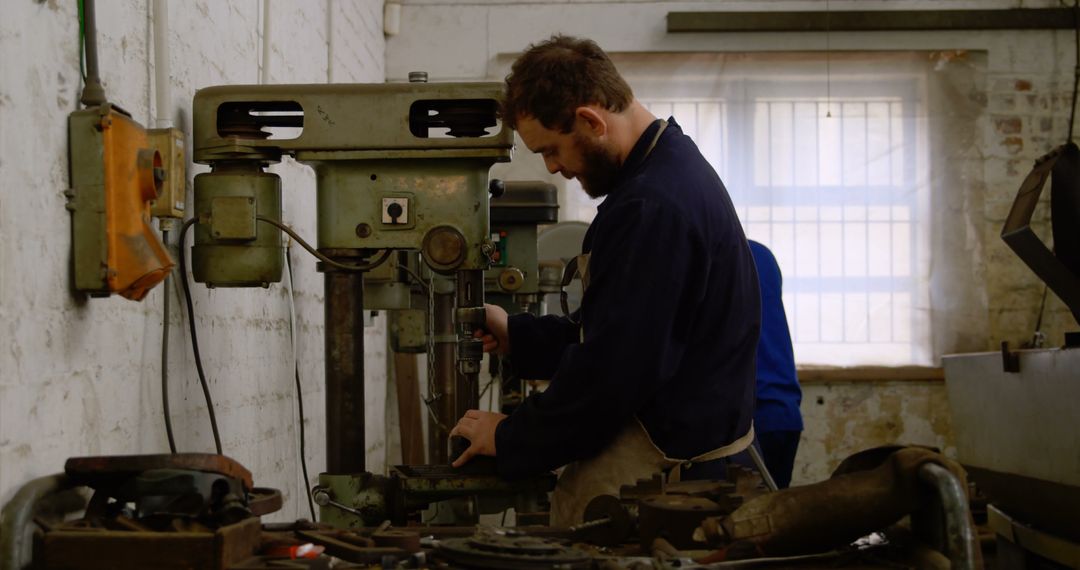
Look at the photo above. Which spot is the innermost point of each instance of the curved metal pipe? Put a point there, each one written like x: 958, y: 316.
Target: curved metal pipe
x: 960, y: 538
x: 16, y: 550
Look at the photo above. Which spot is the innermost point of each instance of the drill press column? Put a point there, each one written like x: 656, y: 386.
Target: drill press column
x: 344, y: 317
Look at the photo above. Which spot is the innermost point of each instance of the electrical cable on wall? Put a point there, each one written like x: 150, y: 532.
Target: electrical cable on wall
x: 194, y: 336
x: 336, y: 265
x: 296, y: 370
x: 165, y: 356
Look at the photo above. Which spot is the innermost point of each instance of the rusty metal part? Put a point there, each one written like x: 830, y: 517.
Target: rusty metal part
x: 365, y: 500
x: 344, y: 316
x: 643, y: 488
x: 393, y: 538
x: 352, y: 547
x: 199, y: 499
x: 720, y: 492
x: 748, y: 483
x: 608, y: 522
x: 526, y: 552
x: 673, y: 518
x: 432, y: 482
x: 110, y: 469
x: 726, y: 493
x: 75, y: 546
x: 264, y: 500
x: 829, y: 514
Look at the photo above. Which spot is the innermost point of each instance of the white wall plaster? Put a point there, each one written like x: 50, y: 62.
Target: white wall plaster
x: 81, y: 377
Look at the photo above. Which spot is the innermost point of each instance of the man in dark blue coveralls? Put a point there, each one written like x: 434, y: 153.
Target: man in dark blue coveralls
x: 657, y: 367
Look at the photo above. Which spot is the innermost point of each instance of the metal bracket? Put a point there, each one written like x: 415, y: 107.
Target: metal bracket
x: 322, y: 498
x: 1010, y: 361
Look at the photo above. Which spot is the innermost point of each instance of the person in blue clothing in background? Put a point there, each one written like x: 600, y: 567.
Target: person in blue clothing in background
x: 777, y: 419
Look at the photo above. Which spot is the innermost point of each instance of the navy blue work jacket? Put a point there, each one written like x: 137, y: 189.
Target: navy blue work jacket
x: 671, y: 320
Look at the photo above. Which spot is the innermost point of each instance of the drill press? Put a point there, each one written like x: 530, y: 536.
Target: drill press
x: 399, y: 167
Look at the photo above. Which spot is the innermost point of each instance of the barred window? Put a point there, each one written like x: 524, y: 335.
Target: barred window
x: 829, y: 173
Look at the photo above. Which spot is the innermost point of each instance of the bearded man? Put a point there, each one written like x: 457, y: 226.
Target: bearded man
x: 655, y: 371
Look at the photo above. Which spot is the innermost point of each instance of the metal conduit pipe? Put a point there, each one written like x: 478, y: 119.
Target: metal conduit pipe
x: 264, y: 69
x: 16, y: 548
x: 93, y: 93
x: 162, y: 79
x: 960, y: 538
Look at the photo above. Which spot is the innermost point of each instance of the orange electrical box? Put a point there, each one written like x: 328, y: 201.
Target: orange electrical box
x: 115, y: 175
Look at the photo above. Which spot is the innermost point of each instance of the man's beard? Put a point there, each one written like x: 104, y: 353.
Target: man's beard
x: 601, y: 167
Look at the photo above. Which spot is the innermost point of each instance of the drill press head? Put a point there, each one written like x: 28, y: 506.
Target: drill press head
x: 398, y: 166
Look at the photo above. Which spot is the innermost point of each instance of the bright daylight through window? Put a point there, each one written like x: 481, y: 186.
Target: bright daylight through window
x: 829, y: 172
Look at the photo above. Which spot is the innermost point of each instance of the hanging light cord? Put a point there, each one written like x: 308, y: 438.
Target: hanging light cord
x: 828, y: 61
x: 165, y: 355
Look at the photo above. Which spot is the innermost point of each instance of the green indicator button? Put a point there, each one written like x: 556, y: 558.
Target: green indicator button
x: 498, y: 258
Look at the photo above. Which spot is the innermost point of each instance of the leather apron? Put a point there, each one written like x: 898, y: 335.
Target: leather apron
x: 631, y: 456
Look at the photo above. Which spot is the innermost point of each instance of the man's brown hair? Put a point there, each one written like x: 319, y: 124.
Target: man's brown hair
x: 555, y: 77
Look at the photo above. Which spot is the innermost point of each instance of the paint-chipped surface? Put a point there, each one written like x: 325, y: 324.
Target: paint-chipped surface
x: 844, y: 417
x: 82, y: 377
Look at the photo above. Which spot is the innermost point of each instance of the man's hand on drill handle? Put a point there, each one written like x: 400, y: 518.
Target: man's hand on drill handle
x: 495, y: 336
x: 479, y: 428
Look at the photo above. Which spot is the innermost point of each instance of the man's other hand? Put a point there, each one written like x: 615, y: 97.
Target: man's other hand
x: 497, y: 337
x: 479, y: 428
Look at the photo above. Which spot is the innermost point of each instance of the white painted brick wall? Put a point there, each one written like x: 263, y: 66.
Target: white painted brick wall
x: 81, y: 377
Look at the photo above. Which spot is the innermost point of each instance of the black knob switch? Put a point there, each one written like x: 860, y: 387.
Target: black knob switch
x: 394, y: 210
